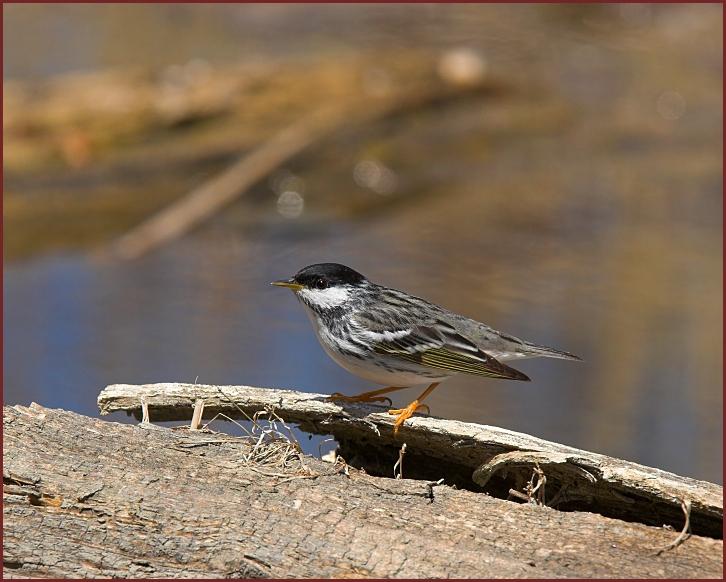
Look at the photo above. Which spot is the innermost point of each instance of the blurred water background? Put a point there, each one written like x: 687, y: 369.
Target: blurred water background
x: 577, y: 202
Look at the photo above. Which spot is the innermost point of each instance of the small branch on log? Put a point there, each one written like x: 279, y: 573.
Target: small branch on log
x: 685, y: 532
x: 197, y: 416
x: 88, y: 498
x: 468, y: 455
x: 144, y: 411
x: 398, y: 467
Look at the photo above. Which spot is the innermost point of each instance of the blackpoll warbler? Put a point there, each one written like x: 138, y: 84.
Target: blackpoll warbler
x: 396, y: 339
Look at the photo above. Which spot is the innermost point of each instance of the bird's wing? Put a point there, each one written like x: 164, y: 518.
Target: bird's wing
x: 438, y: 345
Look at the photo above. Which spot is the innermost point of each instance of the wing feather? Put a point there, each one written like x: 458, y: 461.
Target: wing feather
x: 440, y: 346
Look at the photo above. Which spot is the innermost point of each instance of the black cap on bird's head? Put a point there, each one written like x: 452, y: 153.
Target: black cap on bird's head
x: 322, y: 276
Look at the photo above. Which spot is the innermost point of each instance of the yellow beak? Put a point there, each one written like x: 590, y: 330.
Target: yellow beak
x: 287, y: 283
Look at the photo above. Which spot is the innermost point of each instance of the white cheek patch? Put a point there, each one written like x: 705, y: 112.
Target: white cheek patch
x: 326, y: 298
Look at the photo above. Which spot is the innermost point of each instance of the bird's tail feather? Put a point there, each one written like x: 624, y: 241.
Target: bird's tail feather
x: 548, y: 352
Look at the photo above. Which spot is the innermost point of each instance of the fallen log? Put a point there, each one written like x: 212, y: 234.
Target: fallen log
x: 471, y: 456
x: 83, y: 497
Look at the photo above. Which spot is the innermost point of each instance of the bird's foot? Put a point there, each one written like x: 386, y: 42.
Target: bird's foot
x: 405, y: 413
x: 365, y: 397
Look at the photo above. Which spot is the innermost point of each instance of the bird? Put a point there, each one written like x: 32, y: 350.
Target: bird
x: 399, y: 340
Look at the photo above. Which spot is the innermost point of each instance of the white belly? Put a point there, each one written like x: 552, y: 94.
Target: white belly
x: 367, y: 369
x: 378, y: 374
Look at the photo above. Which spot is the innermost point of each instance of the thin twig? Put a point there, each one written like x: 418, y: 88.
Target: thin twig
x: 144, y: 411
x: 685, y: 532
x: 539, y: 488
x: 519, y: 495
x: 196, y: 423
x: 533, y: 492
x: 399, y: 464
x: 560, y: 497
x: 223, y: 416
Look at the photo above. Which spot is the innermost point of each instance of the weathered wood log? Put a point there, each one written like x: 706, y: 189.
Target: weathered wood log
x: 468, y: 455
x: 84, y: 497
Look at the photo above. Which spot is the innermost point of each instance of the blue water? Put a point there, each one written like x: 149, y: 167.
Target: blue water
x: 202, y: 310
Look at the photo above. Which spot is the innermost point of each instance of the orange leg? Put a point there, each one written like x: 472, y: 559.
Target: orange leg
x: 404, y: 413
x: 372, y: 396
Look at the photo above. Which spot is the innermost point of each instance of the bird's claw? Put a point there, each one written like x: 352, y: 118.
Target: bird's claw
x: 405, y: 413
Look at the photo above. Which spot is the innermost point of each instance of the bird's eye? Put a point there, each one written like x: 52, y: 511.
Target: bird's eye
x: 321, y: 283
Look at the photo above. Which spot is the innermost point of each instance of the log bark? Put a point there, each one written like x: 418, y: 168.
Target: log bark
x: 84, y: 497
x: 471, y: 456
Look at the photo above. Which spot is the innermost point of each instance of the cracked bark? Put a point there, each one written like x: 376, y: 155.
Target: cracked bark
x: 84, y: 497
x: 471, y: 456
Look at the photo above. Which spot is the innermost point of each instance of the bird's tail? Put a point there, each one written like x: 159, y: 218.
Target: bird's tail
x: 547, y: 352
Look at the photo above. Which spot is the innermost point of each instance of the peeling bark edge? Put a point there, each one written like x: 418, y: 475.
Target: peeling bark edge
x: 583, y: 480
